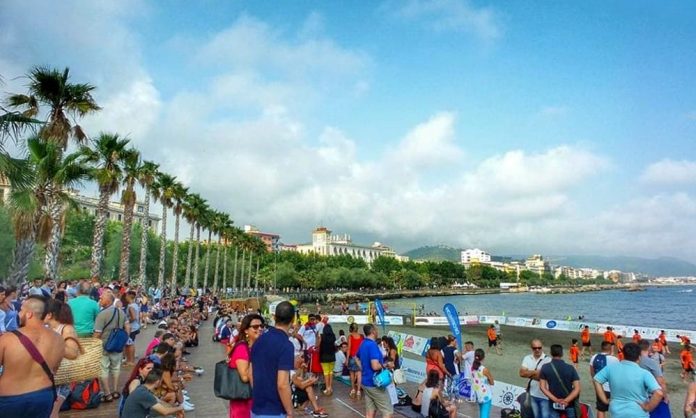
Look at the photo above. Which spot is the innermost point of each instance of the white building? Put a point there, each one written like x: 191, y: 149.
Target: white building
x: 115, y: 210
x: 324, y: 243
x: 475, y: 256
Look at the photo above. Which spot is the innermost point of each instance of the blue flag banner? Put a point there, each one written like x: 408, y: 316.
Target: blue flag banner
x: 453, y: 320
x: 380, y: 313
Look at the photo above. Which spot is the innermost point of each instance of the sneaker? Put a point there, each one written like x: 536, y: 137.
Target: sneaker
x: 198, y: 371
x: 308, y: 411
x: 189, y: 404
x: 185, y: 392
x: 320, y: 413
x: 187, y: 408
x: 352, y: 394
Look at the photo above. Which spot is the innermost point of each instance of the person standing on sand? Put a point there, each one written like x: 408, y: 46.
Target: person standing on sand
x: 493, y: 340
x: 560, y: 383
x: 29, y: 356
x: 531, y: 365
x: 655, y: 369
x: 586, y: 341
x: 597, y: 363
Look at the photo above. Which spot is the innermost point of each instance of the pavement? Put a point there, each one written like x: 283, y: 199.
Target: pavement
x: 200, y: 389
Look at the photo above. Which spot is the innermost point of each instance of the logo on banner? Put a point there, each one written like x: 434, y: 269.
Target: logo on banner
x: 551, y: 324
x: 454, y: 324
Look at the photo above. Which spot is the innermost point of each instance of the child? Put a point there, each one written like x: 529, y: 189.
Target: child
x: 303, y: 390
x: 574, y: 352
x: 687, y: 363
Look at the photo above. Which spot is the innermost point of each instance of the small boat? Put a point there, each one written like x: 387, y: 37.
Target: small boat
x: 686, y: 291
x: 635, y: 289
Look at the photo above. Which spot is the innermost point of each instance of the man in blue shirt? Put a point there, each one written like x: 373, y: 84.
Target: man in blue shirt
x: 272, y: 360
x: 634, y: 391
x: 372, y: 362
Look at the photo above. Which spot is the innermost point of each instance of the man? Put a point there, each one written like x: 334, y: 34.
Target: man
x: 610, y: 337
x: 372, y: 363
x: 11, y: 317
x: 531, y: 365
x: 654, y: 367
x: 687, y: 363
x: 26, y: 389
x: 109, y: 319
x: 35, y: 289
x: 271, y: 362
x: 560, y: 383
x: 308, y: 332
x: 586, y: 340
x: 48, y: 287
x: 467, y: 359
x: 84, y: 310
x: 142, y: 401
x: 598, y: 362
x: 634, y: 391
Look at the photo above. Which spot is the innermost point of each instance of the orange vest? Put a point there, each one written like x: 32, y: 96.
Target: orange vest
x: 636, y: 338
x: 686, y: 359
x: 585, y: 335
x: 609, y: 336
x: 491, y: 334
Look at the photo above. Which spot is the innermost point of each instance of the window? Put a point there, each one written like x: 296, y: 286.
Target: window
x: 140, y: 209
x: 119, y: 217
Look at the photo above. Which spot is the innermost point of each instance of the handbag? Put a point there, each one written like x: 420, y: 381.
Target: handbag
x: 87, y: 364
x: 382, y: 379
x: 399, y: 378
x: 228, y: 383
x: 118, y: 337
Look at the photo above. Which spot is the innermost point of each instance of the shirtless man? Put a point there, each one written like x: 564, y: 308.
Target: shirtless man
x: 25, y: 388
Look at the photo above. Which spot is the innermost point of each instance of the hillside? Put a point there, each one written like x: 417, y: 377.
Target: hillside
x: 435, y: 253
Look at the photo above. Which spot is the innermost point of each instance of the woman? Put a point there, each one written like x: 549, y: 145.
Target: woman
x: 482, y: 380
x: 240, y: 356
x: 451, y: 356
x: 434, y: 360
x: 353, y: 363
x: 171, y: 386
x: 327, y: 356
x: 133, y: 315
x: 428, y: 401
x: 59, y: 318
x: 391, y: 362
x: 137, y: 377
x: 61, y: 291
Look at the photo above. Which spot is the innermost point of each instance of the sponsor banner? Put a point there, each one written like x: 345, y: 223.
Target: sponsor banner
x: 362, y: 319
x: 469, y: 319
x: 442, y: 320
x: 490, y: 319
x: 410, y: 343
x: 414, y: 370
x: 454, y: 323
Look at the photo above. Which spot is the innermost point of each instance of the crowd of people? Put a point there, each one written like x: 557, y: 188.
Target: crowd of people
x: 43, y: 323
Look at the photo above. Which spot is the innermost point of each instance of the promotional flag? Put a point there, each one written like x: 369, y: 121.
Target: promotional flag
x: 380, y: 314
x: 453, y: 320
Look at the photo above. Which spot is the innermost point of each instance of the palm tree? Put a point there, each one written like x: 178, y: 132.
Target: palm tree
x: 178, y: 198
x: 107, y: 160
x: 207, y: 223
x: 200, y: 220
x: 163, y: 190
x: 221, y: 224
x: 147, y: 177
x: 132, y: 171
x: 192, y: 208
x: 65, y: 100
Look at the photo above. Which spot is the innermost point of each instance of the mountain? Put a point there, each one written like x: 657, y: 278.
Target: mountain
x: 662, y: 266
x: 435, y: 253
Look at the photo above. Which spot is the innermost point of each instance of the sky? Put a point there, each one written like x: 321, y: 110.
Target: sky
x: 516, y: 127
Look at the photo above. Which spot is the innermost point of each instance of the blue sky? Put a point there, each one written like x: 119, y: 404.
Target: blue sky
x: 519, y: 127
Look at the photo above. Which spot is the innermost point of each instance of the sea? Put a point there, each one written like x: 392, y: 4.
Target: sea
x: 658, y: 307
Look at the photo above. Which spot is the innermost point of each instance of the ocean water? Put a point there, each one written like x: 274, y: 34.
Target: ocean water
x: 660, y: 307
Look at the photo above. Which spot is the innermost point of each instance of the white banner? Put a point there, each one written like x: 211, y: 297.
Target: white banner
x: 363, y: 319
x: 410, y: 343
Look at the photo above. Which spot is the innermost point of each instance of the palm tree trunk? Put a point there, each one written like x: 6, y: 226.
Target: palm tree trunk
x: 145, y: 227
x: 196, y: 258
x: 207, y: 262
x: 163, y: 249
x: 123, y: 271
x: 99, y: 231
x: 187, y: 279
x: 256, y: 277
x: 175, y: 255
x: 242, y: 288
x: 217, y: 265
x: 55, y: 212
x: 22, y: 256
x: 234, y: 275
x: 251, y: 254
x: 224, y: 270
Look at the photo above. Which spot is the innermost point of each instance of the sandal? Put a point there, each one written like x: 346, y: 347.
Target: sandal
x: 115, y: 395
x: 107, y: 398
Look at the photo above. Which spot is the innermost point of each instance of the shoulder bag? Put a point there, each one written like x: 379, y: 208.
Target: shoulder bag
x: 117, y: 338
x: 37, y: 357
x: 228, y: 384
x: 576, y: 403
x: 525, y: 399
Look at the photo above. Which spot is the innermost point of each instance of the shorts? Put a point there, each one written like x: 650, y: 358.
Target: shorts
x: 492, y: 343
x: 38, y: 403
x: 587, y: 344
x: 328, y: 368
x: 377, y: 399
x: 601, y: 406
x: 689, y: 370
x: 110, y: 362
x: 299, y: 397
x: 354, y: 364
x: 63, y: 391
x: 134, y: 334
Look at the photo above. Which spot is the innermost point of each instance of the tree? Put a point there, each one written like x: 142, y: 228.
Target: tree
x: 106, y: 159
x: 207, y: 222
x: 192, y: 206
x: 200, y: 220
x: 163, y: 191
x: 221, y: 224
x: 148, y: 174
x: 178, y: 198
x: 132, y: 172
x: 65, y: 101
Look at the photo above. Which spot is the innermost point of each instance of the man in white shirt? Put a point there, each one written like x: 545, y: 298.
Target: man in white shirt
x: 597, y: 364
x: 531, y: 365
x: 307, y: 333
x: 467, y: 359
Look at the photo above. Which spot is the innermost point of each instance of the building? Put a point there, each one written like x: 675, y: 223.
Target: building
x: 475, y: 256
x: 4, y: 189
x: 272, y: 241
x: 537, y: 264
x: 324, y: 243
x: 115, y: 210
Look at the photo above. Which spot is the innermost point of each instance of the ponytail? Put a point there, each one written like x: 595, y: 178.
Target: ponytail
x: 479, y: 355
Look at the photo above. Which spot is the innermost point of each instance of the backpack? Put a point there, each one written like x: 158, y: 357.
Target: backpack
x: 599, y: 362
x: 85, y: 394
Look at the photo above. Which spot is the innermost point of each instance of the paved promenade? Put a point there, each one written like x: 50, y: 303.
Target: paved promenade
x: 340, y: 405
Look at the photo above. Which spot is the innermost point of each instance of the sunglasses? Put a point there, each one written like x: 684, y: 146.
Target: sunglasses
x: 257, y: 326
x: 537, y: 348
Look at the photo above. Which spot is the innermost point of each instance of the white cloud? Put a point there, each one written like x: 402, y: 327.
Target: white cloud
x: 451, y: 16
x: 668, y: 171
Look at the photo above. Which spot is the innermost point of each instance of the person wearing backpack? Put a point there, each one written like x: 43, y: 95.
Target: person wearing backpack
x: 111, y: 325
x: 597, y: 363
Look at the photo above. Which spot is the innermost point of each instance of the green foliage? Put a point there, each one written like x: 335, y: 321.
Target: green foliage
x: 7, y: 242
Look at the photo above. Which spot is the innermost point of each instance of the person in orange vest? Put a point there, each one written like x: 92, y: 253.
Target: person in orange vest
x: 684, y: 340
x: 574, y: 353
x: 687, y: 363
x: 493, y: 340
x: 636, y: 336
x: 610, y: 337
x: 657, y: 346
x: 586, y: 341
x: 619, y: 348
x: 663, y: 341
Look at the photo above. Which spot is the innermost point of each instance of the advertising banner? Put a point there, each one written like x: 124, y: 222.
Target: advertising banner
x: 380, y: 314
x: 410, y: 343
x: 454, y: 324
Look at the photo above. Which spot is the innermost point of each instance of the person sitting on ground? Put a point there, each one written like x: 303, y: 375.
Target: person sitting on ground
x: 428, y: 397
x: 26, y: 384
x: 303, y: 390
x: 141, y: 402
x: 137, y: 377
x: 156, y: 340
